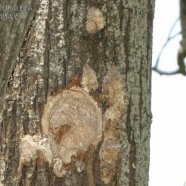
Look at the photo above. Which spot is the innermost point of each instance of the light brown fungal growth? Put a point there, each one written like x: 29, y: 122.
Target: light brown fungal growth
x: 89, y: 79
x: 95, y: 20
x: 109, y: 151
x: 114, y: 94
x: 108, y: 157
x: 113, y: 87
x: 58, y: 167
x: 79, y: 164
x: 30, y: 145
x: 73, y: 121
x: 80, y: 155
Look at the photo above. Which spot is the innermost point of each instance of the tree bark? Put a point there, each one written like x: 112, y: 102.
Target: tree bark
x: 55, y: 48
x: 183, y: 24
x: 12, y: 33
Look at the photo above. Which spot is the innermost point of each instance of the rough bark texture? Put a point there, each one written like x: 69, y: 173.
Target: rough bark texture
x: 55, y: 49
x: 183, y: 24
x: 12, y: 34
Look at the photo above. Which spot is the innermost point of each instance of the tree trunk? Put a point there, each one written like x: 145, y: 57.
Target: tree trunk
x: 183, y: 26
x: 57, y: 47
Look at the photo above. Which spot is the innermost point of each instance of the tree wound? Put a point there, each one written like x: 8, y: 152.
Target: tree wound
x: 72, y: 121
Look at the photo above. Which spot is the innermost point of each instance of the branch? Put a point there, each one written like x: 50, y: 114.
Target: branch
x: 161, y: 72
x: 169, y: 38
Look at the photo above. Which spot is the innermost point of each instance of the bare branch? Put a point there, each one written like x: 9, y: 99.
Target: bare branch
x: 169, y: 38
x: 161, y: 72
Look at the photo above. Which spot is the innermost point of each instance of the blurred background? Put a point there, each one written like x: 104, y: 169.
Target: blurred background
x: 168, y: 130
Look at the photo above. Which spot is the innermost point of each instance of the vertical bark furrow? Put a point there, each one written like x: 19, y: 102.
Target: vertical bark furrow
x: 12, y: 132
x: 10, y: 48
x: 138, y: 87
x: 57, y: 48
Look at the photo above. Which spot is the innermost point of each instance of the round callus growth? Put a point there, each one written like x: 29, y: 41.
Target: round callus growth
x: 73, y: 121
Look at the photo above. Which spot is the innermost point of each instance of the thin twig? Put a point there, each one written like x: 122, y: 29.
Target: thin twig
x: 166, y: 42
x: 173, y: 26
x: 163, y: 47
x: 161, y: 72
